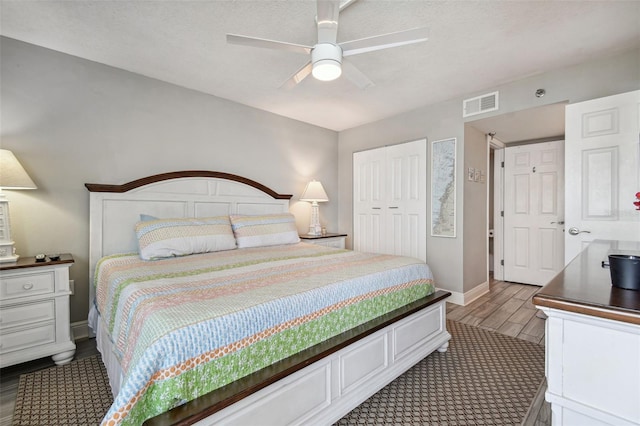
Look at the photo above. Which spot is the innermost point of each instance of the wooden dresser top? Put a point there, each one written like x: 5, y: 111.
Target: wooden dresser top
x: 584, y: 286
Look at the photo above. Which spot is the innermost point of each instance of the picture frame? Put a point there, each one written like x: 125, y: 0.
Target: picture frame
x: 443, y: 188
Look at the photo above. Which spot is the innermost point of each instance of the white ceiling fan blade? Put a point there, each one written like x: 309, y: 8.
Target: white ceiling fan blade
x: 384, y: 41
x: 299, y: 75
x: 357, y: 77
x: 327, y: 19
x: 346, y: 3
x: 267, y: 44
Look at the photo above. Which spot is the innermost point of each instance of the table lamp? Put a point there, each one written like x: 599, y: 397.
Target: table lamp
x: 12, y: 176
x: 314, y: 193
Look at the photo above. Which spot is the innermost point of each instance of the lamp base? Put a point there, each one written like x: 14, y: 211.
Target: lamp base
x: 314, y: 231
x: 314, y: 224
x: 8, y: 253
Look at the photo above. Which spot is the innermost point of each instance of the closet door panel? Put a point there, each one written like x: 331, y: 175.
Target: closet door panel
x: 409, y: 200
x: 390, y: 185
x: 369, y: 200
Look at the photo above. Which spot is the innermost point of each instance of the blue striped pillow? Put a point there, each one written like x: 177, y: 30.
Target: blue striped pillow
x: 264, y: 230
x: 162, y: 238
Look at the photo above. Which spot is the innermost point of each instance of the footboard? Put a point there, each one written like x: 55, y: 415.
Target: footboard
x: 324, y: 391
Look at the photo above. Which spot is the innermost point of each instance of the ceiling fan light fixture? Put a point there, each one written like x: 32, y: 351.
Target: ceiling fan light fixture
x: 326, y: 70
x: 327, y: 61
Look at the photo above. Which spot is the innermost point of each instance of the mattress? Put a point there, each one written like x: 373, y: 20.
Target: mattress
x: 182, y: 327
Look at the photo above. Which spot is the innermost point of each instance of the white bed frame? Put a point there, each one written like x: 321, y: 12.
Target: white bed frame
x: 318, y: 389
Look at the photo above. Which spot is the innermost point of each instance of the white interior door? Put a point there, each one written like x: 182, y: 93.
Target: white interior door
x: 369, y: 200
x: 406, y: 200
x: 533, y: 212
x: 603, y: 171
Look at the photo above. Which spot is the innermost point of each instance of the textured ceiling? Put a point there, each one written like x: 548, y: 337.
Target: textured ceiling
x: 473, y: 45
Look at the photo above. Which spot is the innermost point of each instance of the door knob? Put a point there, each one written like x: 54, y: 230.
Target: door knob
x: 575, y: 231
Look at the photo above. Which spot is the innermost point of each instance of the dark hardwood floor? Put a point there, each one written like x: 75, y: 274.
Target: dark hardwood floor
x: 506, y: 309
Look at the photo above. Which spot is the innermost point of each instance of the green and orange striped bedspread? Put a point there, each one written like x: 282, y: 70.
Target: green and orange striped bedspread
x: 185, y: 326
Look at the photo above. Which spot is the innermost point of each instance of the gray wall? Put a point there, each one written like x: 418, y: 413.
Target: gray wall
x: 71, y: 121
x: 453, y: 261
x: 474, y: 221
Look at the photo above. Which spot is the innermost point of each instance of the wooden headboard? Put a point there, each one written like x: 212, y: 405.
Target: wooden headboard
x: 114, y: 209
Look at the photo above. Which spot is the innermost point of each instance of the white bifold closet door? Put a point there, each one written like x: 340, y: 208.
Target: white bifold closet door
x: 390, y: 200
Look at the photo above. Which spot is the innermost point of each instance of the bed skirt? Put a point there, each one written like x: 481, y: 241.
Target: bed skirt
x: 104, y: 346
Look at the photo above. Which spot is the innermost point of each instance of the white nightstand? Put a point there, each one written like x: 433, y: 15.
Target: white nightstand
x: 328, y: 240
x: 34, y: 311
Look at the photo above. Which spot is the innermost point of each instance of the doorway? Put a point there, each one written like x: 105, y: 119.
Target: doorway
x: 533, y: 198
x: 535, y: 125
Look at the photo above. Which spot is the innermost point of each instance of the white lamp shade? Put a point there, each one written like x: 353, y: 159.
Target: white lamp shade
x: 314, y: 192
x: 12, y: 174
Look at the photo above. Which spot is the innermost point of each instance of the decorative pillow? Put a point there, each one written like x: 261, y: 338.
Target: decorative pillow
x: 161, y: 238
x: 264, y: 230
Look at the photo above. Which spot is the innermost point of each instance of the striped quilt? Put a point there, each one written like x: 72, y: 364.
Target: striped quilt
x: 185, y: 326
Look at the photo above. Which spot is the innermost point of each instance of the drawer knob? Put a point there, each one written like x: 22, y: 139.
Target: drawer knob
x: 27, y: 286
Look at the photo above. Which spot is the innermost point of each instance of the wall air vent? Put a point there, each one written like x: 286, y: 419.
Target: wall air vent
x: 480, y: 104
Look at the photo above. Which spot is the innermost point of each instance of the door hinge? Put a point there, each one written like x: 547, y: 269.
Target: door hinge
x: 501, y: 262
x: 502, y: 164
x: 502, y: 213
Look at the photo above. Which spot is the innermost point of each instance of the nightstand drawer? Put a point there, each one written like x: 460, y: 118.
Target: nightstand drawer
x: 29, y: 313
x: 334, y: 242
x: 22, y: 339
x: 337, y: 242
x: 27, y: 285
x: 327, y: 240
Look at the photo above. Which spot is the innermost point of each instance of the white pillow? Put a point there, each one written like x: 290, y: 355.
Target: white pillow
x: 264, y: 230
x: 162, y: 238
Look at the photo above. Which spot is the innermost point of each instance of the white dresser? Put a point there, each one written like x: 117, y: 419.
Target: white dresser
x: 34, y: 311
x: 327, y: 240
x: 592, y: 343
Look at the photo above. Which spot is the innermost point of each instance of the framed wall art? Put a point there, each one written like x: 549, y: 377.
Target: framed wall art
x: 443, y: 188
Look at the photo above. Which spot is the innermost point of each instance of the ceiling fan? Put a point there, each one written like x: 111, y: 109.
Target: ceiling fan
x: 326, y: 56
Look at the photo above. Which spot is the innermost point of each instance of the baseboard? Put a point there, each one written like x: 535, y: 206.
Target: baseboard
x: 468, y: 297
x: 80, y: 330
x: 537, y: 406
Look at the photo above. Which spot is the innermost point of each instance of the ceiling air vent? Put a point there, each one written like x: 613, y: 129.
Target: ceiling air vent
x: 480, y: 104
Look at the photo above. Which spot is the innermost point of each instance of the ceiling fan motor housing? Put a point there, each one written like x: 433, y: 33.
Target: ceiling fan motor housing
x: 327, y: 61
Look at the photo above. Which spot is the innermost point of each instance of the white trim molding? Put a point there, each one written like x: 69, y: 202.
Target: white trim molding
x: 468, y: 297
x: 80, y: 330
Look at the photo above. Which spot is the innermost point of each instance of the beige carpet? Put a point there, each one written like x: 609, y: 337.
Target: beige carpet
x: 484, y: 378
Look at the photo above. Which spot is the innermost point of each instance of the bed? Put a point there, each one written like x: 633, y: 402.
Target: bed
x: 303, y: 333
